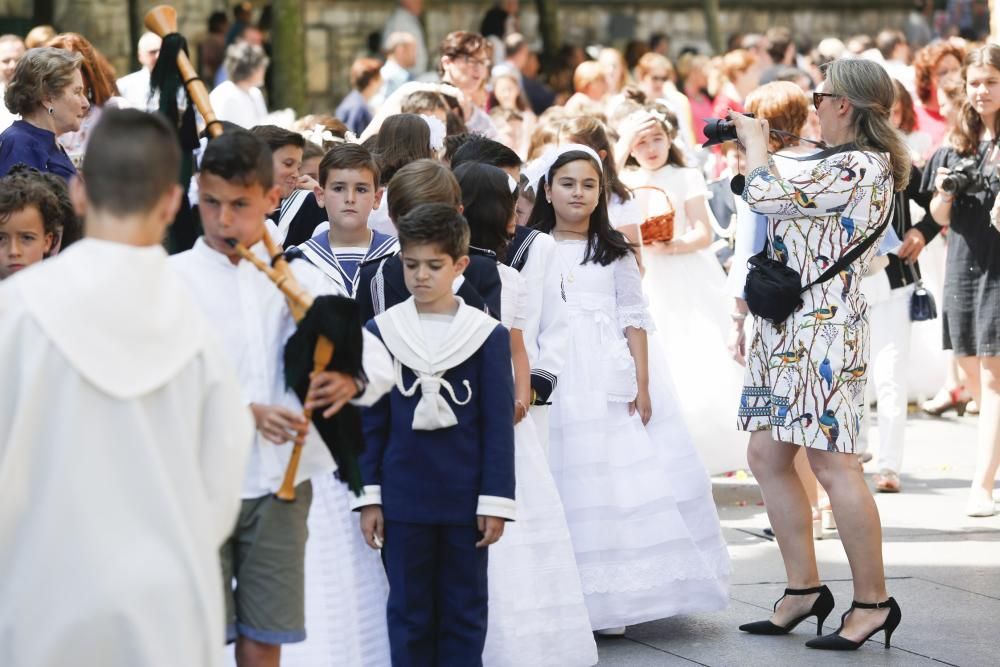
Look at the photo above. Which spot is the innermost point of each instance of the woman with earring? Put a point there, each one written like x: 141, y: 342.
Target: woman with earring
x: 806, y: 374
x: 48, y: 92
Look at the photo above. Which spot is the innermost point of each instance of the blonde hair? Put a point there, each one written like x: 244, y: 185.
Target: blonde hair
x: 736, y: 62
x: 867, y: 86
x: 652, y: 61
x: 783, y: 105
x: 587, y: 73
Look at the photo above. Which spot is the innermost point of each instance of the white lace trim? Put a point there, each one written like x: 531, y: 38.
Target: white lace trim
x: 637, y: 317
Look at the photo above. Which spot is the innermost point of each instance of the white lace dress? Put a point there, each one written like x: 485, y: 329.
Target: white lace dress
x: 643, y: 523
x: 537, y: 614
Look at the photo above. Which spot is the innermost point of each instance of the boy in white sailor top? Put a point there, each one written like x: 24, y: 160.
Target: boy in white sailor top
x: 438, y: 465
x: 349, y: 190
x: 265, y: 553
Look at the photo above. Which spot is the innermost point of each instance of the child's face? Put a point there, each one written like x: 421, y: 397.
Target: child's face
x: 652, y: 148
x: 349, y: 197
x: 23, y: 241
x: 574, y: 192
x: 430, y: 272
x: 522, y: 210
x: 287, y: 161
x: 231, y: 210
x: 310, y: 168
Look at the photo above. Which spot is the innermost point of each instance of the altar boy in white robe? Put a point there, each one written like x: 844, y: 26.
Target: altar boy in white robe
x: 438, y: 465
x: 123, y: 434
x: 266, y: 551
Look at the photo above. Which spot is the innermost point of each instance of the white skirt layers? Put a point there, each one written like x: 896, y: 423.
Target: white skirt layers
x: 537, y: 612
x: 346, y: 588
x: 647, y: 538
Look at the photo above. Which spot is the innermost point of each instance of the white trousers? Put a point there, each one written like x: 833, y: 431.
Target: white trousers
x: 889, y: 319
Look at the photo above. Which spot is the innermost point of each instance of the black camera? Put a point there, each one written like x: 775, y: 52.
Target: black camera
x: 720, y: 130
x: 965, y: 178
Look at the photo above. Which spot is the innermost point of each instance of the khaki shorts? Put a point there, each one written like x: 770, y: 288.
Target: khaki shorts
x: 265, y: 555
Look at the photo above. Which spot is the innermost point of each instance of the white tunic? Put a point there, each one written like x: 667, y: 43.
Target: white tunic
x: 122, y: 446
x: 250, y: 315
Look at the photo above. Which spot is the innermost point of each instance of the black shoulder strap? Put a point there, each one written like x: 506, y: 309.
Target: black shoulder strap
x: 848, y: 258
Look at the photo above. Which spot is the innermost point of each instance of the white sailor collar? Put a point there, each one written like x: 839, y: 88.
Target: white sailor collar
x: 406, y: 340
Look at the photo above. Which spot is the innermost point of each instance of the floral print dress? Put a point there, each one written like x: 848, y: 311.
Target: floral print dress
x: 805, y: 378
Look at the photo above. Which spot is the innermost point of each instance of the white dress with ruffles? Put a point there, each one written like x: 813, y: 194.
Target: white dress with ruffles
x: 642, y: 519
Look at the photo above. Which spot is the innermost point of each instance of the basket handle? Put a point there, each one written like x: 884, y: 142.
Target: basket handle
x: 670, y: 204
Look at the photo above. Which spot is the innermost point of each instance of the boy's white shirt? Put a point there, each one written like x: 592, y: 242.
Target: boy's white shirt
x: 123, y: 439
x: 250, y: 314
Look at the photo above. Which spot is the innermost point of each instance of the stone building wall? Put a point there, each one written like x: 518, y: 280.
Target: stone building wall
x: 337, y: 30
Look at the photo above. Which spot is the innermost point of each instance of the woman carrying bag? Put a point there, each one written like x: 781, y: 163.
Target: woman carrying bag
x: 807, y: 364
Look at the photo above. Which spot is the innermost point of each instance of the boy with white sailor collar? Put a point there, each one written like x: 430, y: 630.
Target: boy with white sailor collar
x: 438, y: 465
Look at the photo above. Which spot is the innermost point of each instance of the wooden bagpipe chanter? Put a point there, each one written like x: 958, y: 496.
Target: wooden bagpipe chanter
x: 328, y: 334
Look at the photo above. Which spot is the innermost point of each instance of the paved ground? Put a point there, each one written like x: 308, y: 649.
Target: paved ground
x: 943, y: 567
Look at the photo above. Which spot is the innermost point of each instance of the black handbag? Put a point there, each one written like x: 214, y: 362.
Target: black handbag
x: 774, y: 291
x: 922, y: 305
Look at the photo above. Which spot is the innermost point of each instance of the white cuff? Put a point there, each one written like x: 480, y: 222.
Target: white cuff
x: 498, y: 506
x: 370, y: 495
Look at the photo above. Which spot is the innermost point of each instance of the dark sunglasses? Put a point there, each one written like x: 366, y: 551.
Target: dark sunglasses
x: 818, y: 97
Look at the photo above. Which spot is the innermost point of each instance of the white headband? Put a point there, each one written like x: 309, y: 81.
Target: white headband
x: 438, y: 131
x: 540, y: 168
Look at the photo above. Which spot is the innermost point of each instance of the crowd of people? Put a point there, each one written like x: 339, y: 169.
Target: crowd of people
x: 553, y: 309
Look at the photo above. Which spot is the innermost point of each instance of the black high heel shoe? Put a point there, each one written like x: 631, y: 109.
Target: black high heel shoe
x: 835, y: 642
x: 821, y: 609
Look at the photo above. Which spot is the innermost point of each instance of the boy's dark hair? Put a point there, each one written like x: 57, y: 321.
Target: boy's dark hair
x: 435, y: 224
x: 348, y: 156
x: 278, y: 137
x: 422, y: 182
x: 478, y: 148
x: 489, y: 203
x: 133, y: 158
x: 25, y: 186
x: 239, y: 157
x: 452, y: 142
x: 71, y: 225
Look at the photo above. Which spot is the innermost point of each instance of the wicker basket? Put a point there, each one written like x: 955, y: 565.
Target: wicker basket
x: 658, y: 227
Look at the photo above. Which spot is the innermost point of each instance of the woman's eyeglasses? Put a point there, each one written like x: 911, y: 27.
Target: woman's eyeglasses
x: 818, y: 97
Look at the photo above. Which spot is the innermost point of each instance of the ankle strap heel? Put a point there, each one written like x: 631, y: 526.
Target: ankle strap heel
x: 835, y: 642
x: 821, y: 608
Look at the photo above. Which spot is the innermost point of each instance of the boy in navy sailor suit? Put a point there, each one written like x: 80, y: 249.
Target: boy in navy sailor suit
x: 438, y: 465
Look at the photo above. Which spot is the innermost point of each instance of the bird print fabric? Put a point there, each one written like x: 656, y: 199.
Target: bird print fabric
x: 805, y: 378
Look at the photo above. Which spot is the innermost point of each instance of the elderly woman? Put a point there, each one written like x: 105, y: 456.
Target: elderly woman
x: 806, y: 372
x: 98, y: 85
x: 239, y: 100
x: 48, y: 92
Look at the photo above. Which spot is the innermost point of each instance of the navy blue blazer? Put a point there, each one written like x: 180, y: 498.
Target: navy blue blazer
x: 449, y: 475
x: 35, y: 147
x: 480, y: 289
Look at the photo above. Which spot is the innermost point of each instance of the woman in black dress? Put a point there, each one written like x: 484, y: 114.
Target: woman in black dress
x: 963, y: 175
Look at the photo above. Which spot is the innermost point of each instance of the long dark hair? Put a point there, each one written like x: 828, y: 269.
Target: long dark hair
x: 604, y: 243
x: 402, y: 139
x: 488, y: 203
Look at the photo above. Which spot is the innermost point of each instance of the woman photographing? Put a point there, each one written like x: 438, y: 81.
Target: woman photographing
x: 965, y: 183
x: 805, y: 376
